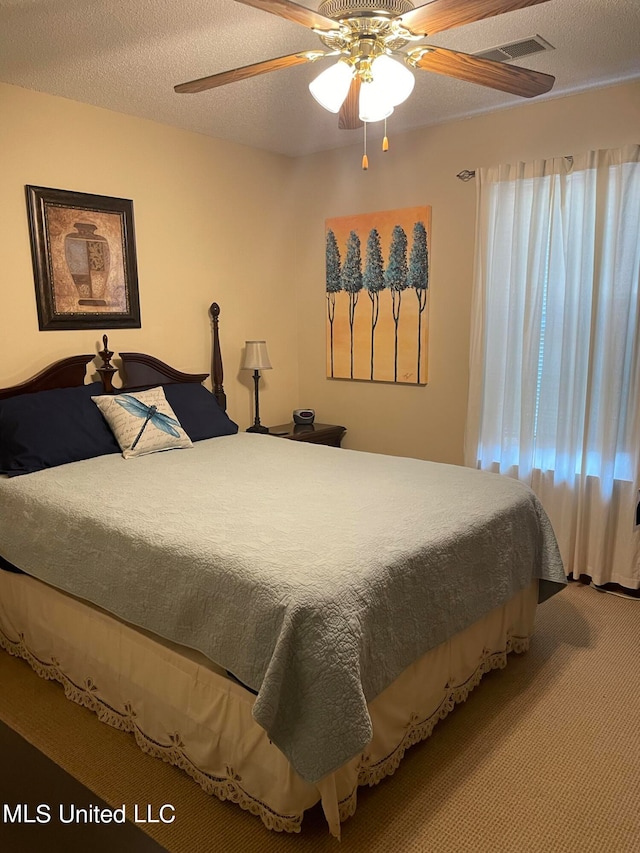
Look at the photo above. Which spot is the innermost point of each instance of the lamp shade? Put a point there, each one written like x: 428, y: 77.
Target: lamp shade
x: 394, y: 78
x: 332, y: 86
x: 256, y: 356
x: 374, y: 103
x: 391, y: 84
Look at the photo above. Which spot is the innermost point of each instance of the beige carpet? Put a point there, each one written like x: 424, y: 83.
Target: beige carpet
x: 544, y: 756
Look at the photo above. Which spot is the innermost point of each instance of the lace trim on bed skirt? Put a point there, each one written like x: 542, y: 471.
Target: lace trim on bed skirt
x: 372, y: 773
x: 227, y: 787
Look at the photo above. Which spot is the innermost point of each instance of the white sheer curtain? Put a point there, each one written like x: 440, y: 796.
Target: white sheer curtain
x: 554, y: 394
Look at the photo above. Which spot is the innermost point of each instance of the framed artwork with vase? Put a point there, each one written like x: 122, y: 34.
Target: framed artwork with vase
x: 84, y: 260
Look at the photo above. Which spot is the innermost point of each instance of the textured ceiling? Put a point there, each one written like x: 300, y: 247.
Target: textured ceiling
x: 127, y: 56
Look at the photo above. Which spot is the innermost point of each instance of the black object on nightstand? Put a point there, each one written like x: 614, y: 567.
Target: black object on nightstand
x: 304, y: 416
x: 329, y: 434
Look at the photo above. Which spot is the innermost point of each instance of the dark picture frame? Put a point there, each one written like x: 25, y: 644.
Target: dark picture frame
x: 84, y: 260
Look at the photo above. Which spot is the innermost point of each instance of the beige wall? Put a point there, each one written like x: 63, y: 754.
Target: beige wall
x: 216, y: 221
x: 421, y: 168
x: 213, y: 223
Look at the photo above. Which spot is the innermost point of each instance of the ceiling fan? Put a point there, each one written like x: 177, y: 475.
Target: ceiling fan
x: 367, y: 81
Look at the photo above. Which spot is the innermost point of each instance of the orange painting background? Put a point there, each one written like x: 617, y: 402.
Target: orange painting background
x: 384, y: 222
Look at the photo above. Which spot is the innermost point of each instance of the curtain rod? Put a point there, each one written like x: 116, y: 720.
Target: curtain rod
x: 467, y: 174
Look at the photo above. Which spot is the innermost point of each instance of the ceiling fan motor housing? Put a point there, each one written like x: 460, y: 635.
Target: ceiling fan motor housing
x: 340, y: 9
x: 368, y: 27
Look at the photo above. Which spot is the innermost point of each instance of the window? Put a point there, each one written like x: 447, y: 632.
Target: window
x: 555, y: 367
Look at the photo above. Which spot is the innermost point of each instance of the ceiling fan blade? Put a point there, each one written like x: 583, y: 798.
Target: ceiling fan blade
x: 442, y: 15
x: 215, y: 80
x: 485, y: 72
x: 293, y: 12
x: 348, y: 117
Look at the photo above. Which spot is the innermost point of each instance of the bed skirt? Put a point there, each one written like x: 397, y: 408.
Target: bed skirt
x: 185, y: 710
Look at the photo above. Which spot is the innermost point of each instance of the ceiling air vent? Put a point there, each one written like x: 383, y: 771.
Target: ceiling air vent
x: 516, y: 49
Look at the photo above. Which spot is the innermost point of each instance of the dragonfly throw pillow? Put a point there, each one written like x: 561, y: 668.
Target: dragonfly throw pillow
x: 142, y: 422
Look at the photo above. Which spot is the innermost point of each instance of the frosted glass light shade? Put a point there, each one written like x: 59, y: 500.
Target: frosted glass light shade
x: 374, y: 103
x: 331, y: 88
x: 393, y: 77
x: 256, y: 356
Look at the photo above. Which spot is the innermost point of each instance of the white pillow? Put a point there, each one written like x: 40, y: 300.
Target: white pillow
x: 142, y: 422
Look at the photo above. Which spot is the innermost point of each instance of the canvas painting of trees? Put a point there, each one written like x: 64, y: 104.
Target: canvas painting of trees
x: 377, y: 289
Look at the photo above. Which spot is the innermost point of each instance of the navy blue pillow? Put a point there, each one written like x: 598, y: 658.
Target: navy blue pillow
x: 198, y: 411
x: 51, y: 428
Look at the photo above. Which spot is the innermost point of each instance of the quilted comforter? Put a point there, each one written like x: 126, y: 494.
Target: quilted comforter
x: 315, y: 575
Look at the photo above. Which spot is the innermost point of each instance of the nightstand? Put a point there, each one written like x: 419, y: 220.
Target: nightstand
x: 330, y: 434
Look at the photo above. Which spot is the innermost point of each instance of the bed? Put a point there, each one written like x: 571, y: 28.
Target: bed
x: 279, y: 658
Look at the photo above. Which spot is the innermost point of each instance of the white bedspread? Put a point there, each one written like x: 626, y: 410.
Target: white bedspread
x: 315, y: 575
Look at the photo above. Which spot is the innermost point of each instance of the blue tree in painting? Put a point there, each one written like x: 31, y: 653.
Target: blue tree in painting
x: 395, y: 278
x: 418, y: 277
x: 351, y: 280
x: 373, y: 282
x: 333, y: 263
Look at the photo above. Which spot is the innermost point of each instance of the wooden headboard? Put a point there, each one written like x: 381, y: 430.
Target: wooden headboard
x: 138, y: 371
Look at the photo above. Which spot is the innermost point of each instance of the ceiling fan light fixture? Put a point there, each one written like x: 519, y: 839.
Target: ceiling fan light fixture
x: 374, y: 103
x: 394, y: 77
x: 331, y: 87
x: 367, y: 83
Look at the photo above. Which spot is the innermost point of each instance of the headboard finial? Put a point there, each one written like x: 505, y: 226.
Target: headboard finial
x: 106, y: 354
x: 107, y: 370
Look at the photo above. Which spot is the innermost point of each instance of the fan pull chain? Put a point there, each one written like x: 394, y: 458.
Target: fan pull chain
x: 385, y: 141
x: 365, y: 159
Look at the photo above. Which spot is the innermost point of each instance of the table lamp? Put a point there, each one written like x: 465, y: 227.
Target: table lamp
x: 256, y: 358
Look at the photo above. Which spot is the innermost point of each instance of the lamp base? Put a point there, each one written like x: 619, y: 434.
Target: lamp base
x: 258, y: 428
